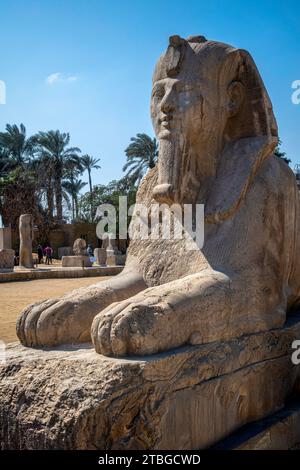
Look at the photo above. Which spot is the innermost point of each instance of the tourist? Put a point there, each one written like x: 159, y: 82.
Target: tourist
x: 16, y: 258
x: 40, y: 254
x: 48, y: 253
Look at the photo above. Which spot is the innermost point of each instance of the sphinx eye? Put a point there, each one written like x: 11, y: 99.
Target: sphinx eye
x: 158, y: 93
x: 184, y: 88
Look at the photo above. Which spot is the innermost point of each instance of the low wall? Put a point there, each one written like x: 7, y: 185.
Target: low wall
x: 60, y: 273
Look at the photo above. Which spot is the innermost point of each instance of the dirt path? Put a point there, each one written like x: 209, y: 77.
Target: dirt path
x: 14, y: 296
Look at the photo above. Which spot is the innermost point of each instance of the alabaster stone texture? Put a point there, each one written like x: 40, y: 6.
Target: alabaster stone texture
x: 217, y: 134
x: 70, y: 397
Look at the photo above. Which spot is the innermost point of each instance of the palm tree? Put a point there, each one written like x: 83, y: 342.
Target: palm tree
x: 89, y: 163
x: 5, y: 162
x: 53, y: 146
x: 19, y: 188
x: 141, y: 154
x: 14, y: 142
x: 42, y: 167
x: 73, y: 188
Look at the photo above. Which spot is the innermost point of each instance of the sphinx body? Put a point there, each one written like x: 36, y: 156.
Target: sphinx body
x: 217, y: 133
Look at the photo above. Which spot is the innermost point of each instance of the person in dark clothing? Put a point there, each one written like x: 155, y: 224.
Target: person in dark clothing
x: 40, y: 253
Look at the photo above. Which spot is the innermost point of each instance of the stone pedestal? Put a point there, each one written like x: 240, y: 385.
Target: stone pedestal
x: 76, y: 262
x: 111, y: 259
x: 190, y: 398
x: 6, y: 261
x: 100, y: 255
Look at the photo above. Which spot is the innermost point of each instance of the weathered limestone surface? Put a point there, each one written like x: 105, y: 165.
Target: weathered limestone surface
x: 7, y: 260
x: 5, y: 238
x: 217, y: 134
x: 26, y: 236
x: 76, y: 261
x: 111, y: 259
x: 79, y: 247
x: 60, y: 273
x: 73, y: 398
x: 80, y: 258
x: 100, y: 255
x: 280, y: 431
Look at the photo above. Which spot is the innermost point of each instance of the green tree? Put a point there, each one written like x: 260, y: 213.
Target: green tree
x: 278, y: 153
x: 73, y: 188
x: 19, y: 187
x: 16, y: 145
x: 90, y: 163
x: 108, y: 194
x: 53, y: 147
x: 141, y: 154
x: 44, y: 173
x: 19, y: 195
x: 5, y: 163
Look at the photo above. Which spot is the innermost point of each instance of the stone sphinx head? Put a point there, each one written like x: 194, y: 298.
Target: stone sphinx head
x: 206, y: 96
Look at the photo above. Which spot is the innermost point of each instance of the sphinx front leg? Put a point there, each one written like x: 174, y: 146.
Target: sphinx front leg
x: 200, y: 308
x: 194, y: 309
x: 68, y: 319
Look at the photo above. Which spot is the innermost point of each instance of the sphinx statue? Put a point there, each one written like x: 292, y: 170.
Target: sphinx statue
x: 192, y: 341
x: 217, y: 134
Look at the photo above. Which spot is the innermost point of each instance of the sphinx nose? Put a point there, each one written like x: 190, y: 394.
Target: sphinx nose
x: 167, y: 104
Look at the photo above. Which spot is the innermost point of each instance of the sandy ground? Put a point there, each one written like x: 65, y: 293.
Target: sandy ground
x: 14, y: 296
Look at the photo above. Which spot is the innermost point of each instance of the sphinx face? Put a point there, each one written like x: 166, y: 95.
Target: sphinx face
x: 187, y: 115
x: 176, y: 108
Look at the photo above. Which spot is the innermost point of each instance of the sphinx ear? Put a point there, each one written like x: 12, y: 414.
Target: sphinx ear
x: 236, y: 94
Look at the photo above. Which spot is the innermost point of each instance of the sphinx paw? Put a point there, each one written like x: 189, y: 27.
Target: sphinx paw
x: 27, y: 322
x: 139, y: 326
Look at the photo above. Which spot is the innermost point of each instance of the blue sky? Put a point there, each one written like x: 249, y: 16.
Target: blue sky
x: 105, y: 52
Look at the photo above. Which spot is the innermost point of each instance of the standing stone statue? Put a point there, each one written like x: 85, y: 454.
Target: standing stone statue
x: 80, y: 258
x: 5, y: 238
x: 110, y: 252
x: 26, y: 236
x: 79, y: 247
x: 100, y: 256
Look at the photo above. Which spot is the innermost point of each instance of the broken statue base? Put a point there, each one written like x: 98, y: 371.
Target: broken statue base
x: 76, y: 261
x: 69, y: 397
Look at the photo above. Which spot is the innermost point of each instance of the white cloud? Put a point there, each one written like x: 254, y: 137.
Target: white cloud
x: 72, y: 78
x: 54, y: 77
x: 59, y: 77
